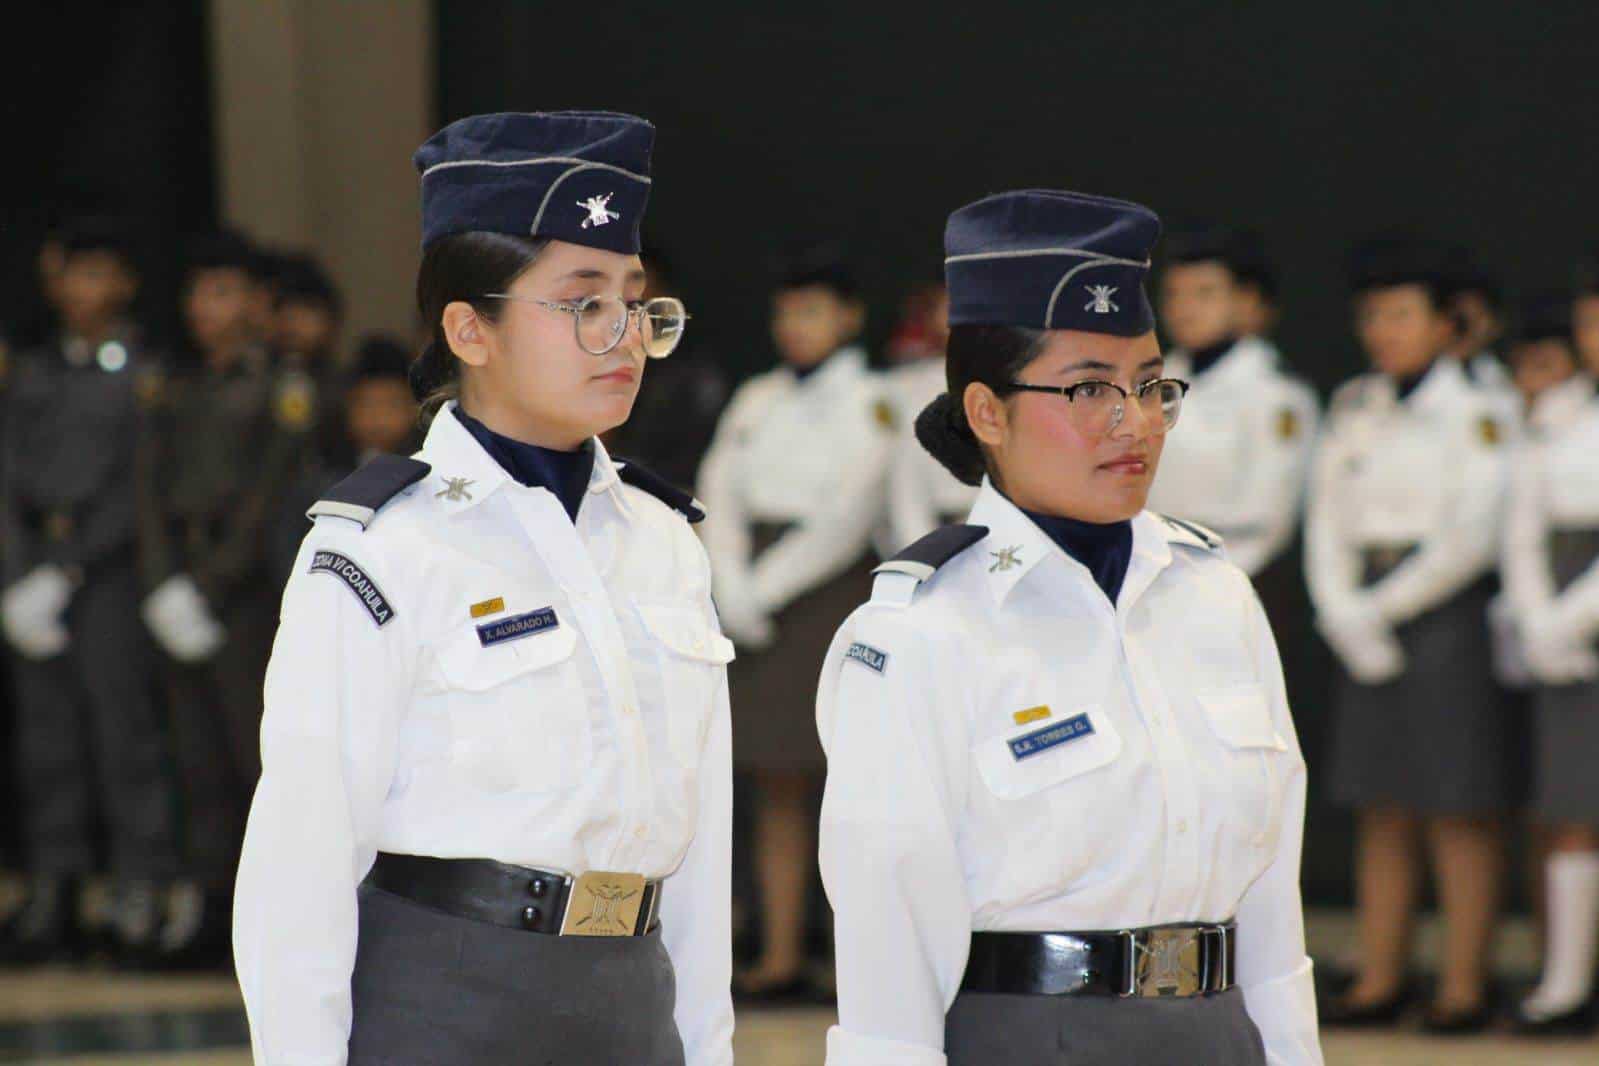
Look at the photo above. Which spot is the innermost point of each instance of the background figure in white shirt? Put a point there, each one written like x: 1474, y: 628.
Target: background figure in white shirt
x: 1035, y: 752
x: 1477, y: 305
x: 1551, y: 574
x: 495, y: 812
x: 1401, y: 538
x: 1239, y: 461
x: 793, y: 484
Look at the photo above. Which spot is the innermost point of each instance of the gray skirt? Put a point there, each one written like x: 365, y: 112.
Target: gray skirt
x: 1566, y: 717
x: 431, y: 989
x: 1440, y: 738
x: 983, y: 1029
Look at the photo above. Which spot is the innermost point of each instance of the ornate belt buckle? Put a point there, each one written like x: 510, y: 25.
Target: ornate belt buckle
x: 1167, y: 963
x: 603, y: 904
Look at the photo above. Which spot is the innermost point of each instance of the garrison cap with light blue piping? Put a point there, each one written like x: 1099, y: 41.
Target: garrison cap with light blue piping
x: 577, y: 176
x: 1051, y: 260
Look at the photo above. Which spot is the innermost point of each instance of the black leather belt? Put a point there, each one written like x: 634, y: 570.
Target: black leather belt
x: 519, y: 897
x: 1161, y: 961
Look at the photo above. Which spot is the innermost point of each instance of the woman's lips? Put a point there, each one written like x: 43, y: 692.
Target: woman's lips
x: 1127, y: 464
x: 621, y: 376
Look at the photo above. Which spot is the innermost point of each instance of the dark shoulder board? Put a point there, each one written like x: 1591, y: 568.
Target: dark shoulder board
x: 682, y: 502
x: 922, y: 559
x: 1183, y: 531
x: 360, y: 496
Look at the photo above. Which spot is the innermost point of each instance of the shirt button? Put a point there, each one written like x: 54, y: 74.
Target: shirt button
x: 641, y: 832
x: 629, y: 709
x: 1182, y: 825
x: 699, y: 644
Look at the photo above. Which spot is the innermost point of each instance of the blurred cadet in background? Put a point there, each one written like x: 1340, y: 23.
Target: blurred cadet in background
x: 1476, y: 304
x: 922, y: 495
x: 89, y: 741
x: 1543, y: 356
x: 1400, y: 544
x: 229, y: 441
x: 378, y: 417
x: 793, y: 486
x: 1238, y: 462
x: 679, y: 399
x: 1551, y: 573
x: 1255, y: 288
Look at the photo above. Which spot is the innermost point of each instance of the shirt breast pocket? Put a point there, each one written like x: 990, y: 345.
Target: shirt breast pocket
x: 1240, y: 717
x: 690, y: 656
x: 517, y: 711
x: 1021, y: 762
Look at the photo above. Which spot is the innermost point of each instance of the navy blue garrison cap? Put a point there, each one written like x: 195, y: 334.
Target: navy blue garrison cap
x: 1051, y: 260
x: 577, y: 176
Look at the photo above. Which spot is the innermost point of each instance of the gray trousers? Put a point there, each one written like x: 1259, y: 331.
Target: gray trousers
x: 996, y: 1030
x: 431, y: 988
x: 90, y: 747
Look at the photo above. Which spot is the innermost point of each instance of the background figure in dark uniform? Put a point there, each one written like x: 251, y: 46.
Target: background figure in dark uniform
x: 378, y: 416
x: 679, y: 399
x: 89, y: 742
x: 308, y: 313
x: 228, y: 442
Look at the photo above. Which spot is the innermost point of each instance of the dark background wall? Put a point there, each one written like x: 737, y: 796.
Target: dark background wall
x: 1317, y: 123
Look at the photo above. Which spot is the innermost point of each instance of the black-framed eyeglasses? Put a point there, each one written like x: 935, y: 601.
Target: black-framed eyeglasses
x: 600, y: 322
x: 1097, y: 407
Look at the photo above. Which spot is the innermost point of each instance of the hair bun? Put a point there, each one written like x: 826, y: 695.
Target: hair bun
x: 942, y: 430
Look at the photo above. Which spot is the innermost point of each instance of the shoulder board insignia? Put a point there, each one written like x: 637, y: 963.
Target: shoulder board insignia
x: 922, y: 559
x: 360, y: 496
x: 1287, y: 423
x: 1488, y: 430
x: 1193, y: 533
x: 883, y: 414
x: 682, y: 502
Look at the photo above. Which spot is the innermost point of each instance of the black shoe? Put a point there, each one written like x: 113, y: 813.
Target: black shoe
x: 198, y: 932
x: 1581, y: 1020
x: 1343, y: 1012
x: 1456, y: 1022
x: 45, y: 928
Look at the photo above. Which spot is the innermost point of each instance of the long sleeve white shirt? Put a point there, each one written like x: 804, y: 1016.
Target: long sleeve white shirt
x: 600, y: 742
x: 1427, y: 471
x: 811, y: 452
x: 1238, y: 458
x: 1184, y: 804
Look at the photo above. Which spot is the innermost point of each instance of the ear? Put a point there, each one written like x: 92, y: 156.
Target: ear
x: 985, y: 413
x: 465, y: 333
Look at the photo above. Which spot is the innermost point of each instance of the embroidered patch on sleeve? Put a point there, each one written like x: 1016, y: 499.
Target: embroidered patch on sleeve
x: 1041, y: 740
x: 867, y: 656
x: 517, y: 627
x: 350, y: 572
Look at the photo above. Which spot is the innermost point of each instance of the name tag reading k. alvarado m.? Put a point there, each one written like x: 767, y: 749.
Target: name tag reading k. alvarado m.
x: 517, y: 627
x: 1041, y: 740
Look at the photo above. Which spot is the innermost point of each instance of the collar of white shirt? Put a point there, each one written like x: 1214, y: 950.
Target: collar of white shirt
x: 455, y: 455
x: 1246, y: 360
x: 842, y: 368
x: 1017, y: 547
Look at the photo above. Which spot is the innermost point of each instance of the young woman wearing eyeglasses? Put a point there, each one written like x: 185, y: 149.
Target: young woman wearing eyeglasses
x: 493, y: 823
x: 1064, y: 799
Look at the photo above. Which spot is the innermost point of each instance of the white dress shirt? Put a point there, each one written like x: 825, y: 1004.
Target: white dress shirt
x: 1426, y: 471
x: 1555, y: 487
x: 921, y: 493
x: 813, y: 452
x: 1184, y: 804
x: 1238, y: 458
x: 601, y: 742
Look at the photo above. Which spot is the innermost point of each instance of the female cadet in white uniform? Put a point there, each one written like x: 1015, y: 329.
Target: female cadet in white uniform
x: 1551, y: 574
x: 1401, y: 535
x: 494, y: 818
x: 1240, y: 463
x: 1064, y: 799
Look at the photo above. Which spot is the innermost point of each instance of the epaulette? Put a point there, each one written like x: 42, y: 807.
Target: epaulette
x: 921, y: 561
x: 1193, y: 534
x: 682, y: 502
x: 360, y: 496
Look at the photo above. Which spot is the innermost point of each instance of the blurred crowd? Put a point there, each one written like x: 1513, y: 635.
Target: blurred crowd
x: 154, y: 491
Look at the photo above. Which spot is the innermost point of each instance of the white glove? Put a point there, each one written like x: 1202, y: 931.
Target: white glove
x: 1365, y: 642
x: 745, y: 624
x: 1555, y: 655
x: 181, y: 622
x: 30, y: 612
x: 1509, y: 647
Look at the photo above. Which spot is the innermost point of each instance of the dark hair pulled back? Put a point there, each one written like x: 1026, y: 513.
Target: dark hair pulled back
x: 461, y: 267
x: 990, y: 355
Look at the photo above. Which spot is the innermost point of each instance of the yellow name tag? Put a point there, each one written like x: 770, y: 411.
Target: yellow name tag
x: 494, y: 606
x: 1032, y: 714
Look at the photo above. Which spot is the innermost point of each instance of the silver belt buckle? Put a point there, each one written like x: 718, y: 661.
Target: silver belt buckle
x: 1166, y: 963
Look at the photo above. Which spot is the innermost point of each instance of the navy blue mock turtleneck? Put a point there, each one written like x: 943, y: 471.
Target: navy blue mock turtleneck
x: 566, y: 474
x: 1205, y: 358
x: 1106, y: 550
x: 1409, y: 383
